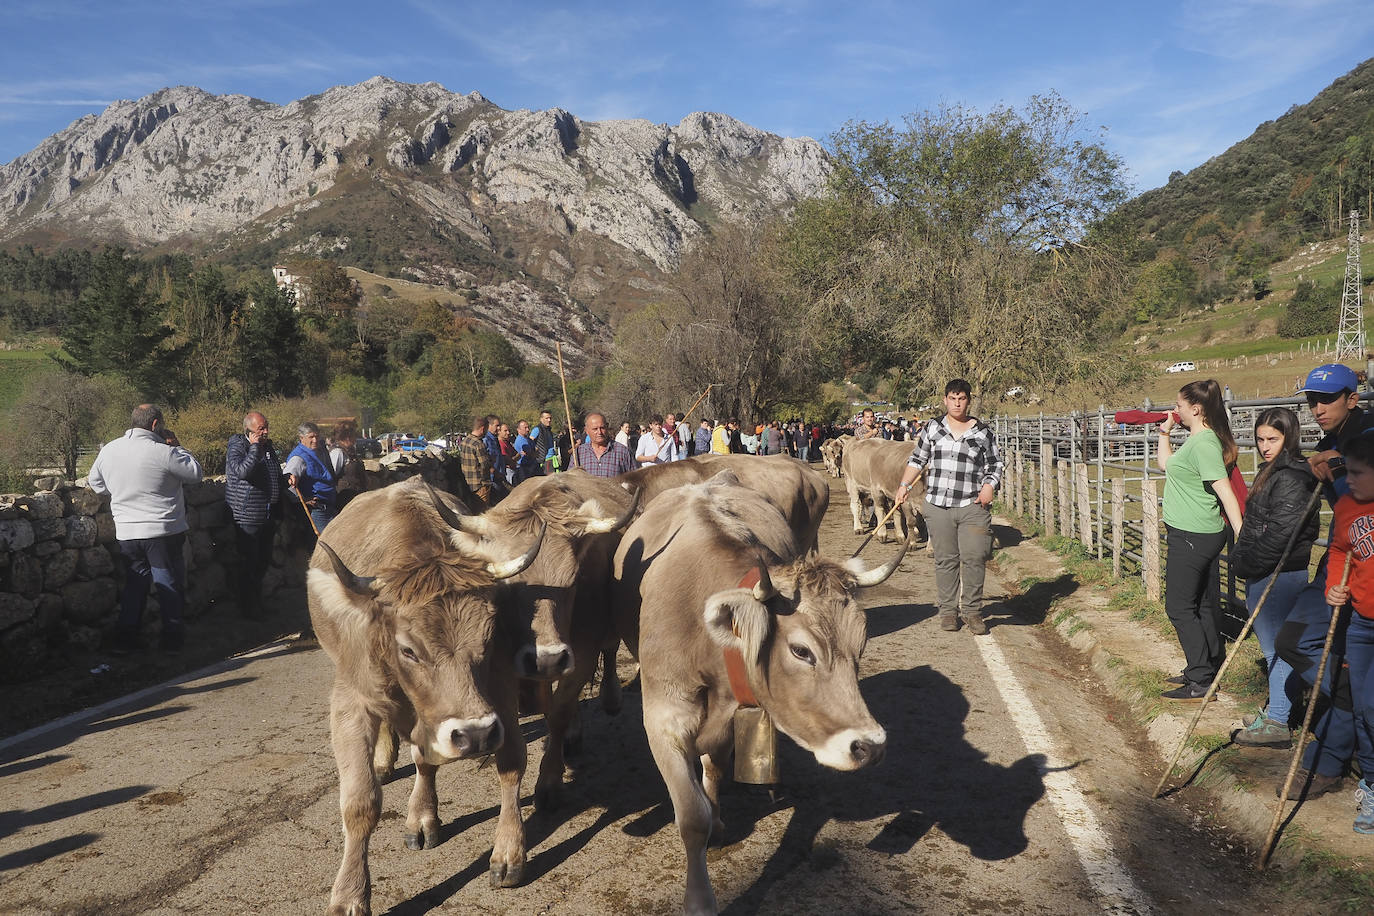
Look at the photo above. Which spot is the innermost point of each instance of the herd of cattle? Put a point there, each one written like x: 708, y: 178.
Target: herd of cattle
x: 433, y: 618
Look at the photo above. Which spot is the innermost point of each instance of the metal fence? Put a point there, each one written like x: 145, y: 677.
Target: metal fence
x: 1086, y: 477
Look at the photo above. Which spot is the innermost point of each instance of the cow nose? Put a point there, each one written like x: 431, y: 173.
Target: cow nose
x: 473, y: 739
x: 546, y: 662
x: 866, y: 752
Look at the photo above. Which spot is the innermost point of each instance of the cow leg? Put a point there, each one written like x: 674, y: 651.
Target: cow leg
x: 385, y: 753
x: 562, y: 719
x: 880, y: 507
x: 353, y: 733
x: 712, y: 775
x: 676, y: 759
x: 856, y: 507
x: 422, y: 814
x: 610, y: 679
x: 508, y: 846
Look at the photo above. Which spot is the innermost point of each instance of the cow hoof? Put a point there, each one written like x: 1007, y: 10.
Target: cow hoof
x: 427, y: 839
x: 572, y: 746
x: 546, y: 799
x: 351, y: 909
x: 610, y: 699
x: 506, y: 875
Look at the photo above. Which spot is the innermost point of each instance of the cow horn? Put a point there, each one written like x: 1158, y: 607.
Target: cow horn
x: 874, y: 576
x: 603, y: 525
x: 508, y: 568
x: 763, y: 589
x: 357, y: 584
x: 469, y: 524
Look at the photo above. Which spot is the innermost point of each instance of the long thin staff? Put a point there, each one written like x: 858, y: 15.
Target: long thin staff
x: 1306, y: 723
x: 567, y: 410
x: 698, y: 401
x: 881, y: 526
x: 1235, y: 646
x: 308, y: 516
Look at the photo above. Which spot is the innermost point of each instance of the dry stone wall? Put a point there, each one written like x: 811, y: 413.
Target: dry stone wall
x: 60, y: 573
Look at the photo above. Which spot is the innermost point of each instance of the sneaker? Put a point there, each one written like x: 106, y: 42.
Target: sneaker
x: 976, y: 624
x: 1189, y: 693
x: 1309, y: 785
x: 949, y: 623
x: 1261, y: 731
x: 1177, y: 679
x: 1364, y: 807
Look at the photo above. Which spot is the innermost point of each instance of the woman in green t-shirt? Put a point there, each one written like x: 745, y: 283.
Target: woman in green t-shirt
x: 1196, y: 479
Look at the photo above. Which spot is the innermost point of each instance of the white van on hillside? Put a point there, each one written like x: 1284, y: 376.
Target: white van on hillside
x: 1186, y: 365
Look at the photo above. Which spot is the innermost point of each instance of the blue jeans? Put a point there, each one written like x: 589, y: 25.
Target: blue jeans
x: 1299, y: 643
x: 1285, y: 590
x: 157, y: 563
x: 1359, y: 653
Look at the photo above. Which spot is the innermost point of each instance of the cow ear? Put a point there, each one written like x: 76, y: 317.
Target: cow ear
x: 337, y: 600
x: 736, y: 619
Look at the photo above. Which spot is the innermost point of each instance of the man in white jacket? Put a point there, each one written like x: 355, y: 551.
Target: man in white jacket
x: 143, y: 471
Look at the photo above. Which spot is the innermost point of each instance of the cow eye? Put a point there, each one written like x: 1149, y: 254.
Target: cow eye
x: 803, y: 654
x: 409, y: 654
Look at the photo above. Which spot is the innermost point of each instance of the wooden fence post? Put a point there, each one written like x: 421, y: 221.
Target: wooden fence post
x: 1085, y: 516
x: 1149, y: 537
x: 1065, y: 503
x: 1046, y: 495
x: 1118, y: 524
x: 1016, y: 483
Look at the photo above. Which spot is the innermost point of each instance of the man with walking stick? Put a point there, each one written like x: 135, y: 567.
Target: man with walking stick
x: 1332, y: 394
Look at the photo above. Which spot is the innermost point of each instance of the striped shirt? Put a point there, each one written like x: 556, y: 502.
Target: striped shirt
x: 615, y: 460
x: 957, y: 467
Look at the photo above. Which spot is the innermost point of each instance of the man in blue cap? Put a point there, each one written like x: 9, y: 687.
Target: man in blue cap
x: 1333, y: 395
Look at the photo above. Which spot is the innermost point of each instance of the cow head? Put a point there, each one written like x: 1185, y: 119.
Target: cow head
x: 425, y: 629
x: 801, y: 633
x: 543, y: 593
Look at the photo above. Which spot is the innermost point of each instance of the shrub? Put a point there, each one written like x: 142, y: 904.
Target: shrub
x: 1312, y: 310
x: 204, y: 429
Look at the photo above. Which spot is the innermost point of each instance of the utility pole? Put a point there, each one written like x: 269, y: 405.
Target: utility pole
x: 1350, y: 342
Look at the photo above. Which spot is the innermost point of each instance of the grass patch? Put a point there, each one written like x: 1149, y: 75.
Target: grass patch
x: 1348, y: 889
x: 1147, y: 684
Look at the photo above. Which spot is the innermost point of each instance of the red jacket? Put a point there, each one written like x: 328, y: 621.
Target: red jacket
x: 1352, y: 532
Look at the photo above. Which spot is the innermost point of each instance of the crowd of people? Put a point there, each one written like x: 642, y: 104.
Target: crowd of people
x: 1275, y: 526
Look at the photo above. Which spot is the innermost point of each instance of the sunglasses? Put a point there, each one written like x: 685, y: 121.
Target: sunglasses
x: 1320, y: 397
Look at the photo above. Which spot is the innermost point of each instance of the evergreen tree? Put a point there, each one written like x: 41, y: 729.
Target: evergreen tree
x: 270, y: 348
x: 116, y: 326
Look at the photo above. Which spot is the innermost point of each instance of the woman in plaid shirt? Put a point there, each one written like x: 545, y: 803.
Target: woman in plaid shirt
x: 963, y: 470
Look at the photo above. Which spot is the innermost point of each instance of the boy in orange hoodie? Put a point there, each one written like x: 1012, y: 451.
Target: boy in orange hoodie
x: 1352, y: 535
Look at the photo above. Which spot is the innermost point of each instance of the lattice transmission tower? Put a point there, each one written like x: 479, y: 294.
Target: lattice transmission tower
x: 1350, y: 342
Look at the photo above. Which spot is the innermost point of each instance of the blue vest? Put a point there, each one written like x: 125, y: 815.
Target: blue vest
x: 319, y: 482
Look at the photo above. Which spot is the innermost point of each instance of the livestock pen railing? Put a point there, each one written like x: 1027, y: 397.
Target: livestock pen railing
x: 1088, y: 478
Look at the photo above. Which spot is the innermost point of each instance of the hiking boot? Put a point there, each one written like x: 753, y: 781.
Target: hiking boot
x: 1189, y: 693
x: 1262, y: 731
x: 1310, y: 785
x: 976, y: 624
x: 1364, y: 804
x: 949, y: 623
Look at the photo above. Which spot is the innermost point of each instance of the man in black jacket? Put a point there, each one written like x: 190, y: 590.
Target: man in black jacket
x: 253, y: 488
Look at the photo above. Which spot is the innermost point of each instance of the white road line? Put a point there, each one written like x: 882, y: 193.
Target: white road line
x: 1111, y: 881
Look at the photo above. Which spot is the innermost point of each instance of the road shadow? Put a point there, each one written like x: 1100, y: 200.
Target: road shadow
x: 932, y: 777
x: 1031, y: 607
x: 17, y: 819
x: 889, y: 618
x: 1004, y: 536
x: 44, y: 851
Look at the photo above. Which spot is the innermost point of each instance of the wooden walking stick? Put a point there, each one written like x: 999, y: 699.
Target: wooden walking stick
x: 698, y: 401
x: 1306, y: 723
x: 308, y: 516
x: 1235, y: 646
x: 567, y: 410
x: 881, y: 526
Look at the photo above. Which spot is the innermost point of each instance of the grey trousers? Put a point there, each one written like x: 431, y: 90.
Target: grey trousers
x: 962, y: 542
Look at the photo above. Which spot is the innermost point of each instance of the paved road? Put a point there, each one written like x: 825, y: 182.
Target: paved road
x: 1010, y: 787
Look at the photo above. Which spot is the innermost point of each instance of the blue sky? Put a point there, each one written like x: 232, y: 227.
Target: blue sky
x: 1174, y: 82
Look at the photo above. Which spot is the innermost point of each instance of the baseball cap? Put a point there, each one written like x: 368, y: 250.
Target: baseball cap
x: 1332, y: 378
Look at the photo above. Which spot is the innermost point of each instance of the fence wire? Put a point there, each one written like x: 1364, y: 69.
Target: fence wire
x: 1094, y: 450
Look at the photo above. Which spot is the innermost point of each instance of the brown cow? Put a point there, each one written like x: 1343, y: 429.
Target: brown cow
x: 414, y: 647
x: 680, y: 596
x: 799, y: 490
x: 873, y: 468
x: 539, y: 608
x: 832, y: 453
